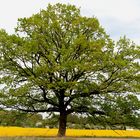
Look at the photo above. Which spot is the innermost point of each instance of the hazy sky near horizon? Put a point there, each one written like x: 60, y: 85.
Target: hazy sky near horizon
x: 118, y: 17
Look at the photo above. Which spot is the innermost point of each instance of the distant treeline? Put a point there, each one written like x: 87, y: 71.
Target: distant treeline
x: 17, y: 118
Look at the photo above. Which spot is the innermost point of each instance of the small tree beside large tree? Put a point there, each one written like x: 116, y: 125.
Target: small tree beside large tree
x: 59, y: 61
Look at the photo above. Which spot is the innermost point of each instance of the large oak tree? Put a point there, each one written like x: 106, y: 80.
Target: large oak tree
x: 59, y: 61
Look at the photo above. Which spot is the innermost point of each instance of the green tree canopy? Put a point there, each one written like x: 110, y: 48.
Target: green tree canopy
x: 59, y: 61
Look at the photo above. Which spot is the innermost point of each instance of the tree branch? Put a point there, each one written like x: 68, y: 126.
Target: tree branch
x: 53, y: 109
x: 85, y: 109
x: 47, y: 99
x: 76, y: 95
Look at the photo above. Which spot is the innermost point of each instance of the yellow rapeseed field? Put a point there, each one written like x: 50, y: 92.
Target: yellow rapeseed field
x: 18, y: 131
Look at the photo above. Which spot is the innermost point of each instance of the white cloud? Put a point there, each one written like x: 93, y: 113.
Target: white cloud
x: 10, y: 11
x: 123, y: 10
x: 118, y: 17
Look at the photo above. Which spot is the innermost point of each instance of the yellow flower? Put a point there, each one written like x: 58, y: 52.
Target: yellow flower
x: 19, y: 131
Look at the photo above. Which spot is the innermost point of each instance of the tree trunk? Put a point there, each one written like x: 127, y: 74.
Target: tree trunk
x: 62, y: 124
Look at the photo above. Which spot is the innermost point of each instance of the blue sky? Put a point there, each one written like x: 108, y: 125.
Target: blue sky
x: 118, y: 17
